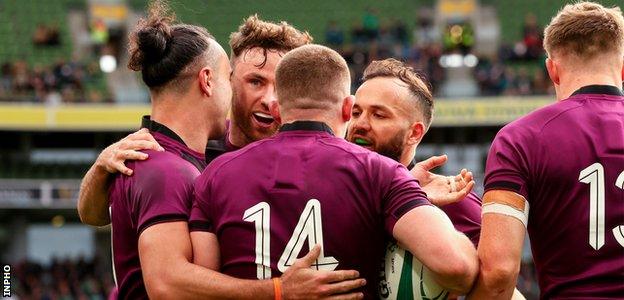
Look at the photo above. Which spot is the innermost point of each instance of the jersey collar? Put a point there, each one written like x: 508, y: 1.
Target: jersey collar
x: 152, y: 125
x: 307, y: 126
x: 599, y: 89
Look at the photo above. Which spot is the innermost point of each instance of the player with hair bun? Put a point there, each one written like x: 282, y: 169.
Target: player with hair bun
x: 187, y: 73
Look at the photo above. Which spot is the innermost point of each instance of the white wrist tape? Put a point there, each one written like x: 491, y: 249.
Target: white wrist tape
x: 508, y: 210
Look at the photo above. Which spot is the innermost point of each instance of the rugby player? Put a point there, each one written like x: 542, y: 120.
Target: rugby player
x: 187, y: 73
x: 257, y: 208
x: 559, y: 171
x: 256, y: 48
x: 392, y: 112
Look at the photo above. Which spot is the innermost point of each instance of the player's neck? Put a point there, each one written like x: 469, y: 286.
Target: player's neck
x: 574, y: 82
x: 236, y: 136
x: 189, y: 124
x: 337, y: 127
x: 408, y: 155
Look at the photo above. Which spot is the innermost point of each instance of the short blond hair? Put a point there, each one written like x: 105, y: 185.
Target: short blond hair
x: 416, y: 83
x: 255, y: 32
x: 312, y: 77
x: 585, y: 29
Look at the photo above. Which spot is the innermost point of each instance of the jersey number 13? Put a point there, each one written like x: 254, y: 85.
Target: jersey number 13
x: 594, y: 176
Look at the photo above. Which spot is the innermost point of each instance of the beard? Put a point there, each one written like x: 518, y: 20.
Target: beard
x: 393, y: 148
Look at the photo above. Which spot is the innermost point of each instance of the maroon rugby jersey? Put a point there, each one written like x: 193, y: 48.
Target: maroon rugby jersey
x: 160, y: 190
x: 567, y: 161
x: 269, y: 202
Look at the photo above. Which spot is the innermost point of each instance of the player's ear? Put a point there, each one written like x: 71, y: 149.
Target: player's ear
x: 347, y: 107
x: 416, y: 133
x: 204, y: 79
x: 275, y: 112
x: 553, y: 70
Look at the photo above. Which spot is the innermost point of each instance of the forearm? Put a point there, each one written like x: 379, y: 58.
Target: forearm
x: 488, y: 287
x: 462, y: 280
x: 189, y: 281
x: 500, y: 251
x: 429, y: 235
x: 93, y: 197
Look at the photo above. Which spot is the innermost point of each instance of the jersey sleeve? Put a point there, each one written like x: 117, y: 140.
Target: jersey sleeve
x: 507, y: 162
x: 402, y: 193
x: 200, y: 219
x: 161, y: 194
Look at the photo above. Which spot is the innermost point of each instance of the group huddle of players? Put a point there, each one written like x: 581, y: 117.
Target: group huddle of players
x: 296, y: 195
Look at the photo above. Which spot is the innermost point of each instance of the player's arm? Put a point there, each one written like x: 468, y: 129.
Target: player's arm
x: 166, y: 252
x: 503, y: 227
x: 429, y: 235
x: 93, y: 196
x: 298, y: 282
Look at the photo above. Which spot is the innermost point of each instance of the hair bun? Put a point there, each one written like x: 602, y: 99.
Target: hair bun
x: 153, y: 40
x: 149, y: 41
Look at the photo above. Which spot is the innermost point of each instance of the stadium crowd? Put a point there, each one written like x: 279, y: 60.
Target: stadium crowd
x: 63, y: 279
x: 61, y: 82
x: 371, y: 38
x: 374, y: 38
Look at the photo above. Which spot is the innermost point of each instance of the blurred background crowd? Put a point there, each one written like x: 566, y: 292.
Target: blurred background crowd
x: 65, y: 94
x: 66, y: 279
x: 69, y: 60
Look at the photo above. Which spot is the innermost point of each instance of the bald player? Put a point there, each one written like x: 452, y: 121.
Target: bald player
x: 307, y: 186
x: 392, y: 112
x: 559, y: 171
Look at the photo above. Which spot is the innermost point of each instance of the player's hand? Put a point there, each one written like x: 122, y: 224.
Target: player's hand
x: 442, y: 190
x: 113, y: 157
x: 302, y: 282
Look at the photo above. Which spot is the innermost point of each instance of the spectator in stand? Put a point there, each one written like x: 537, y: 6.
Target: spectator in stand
x: 532, y: 37
x: 46, y: 35
x: 21, y: 77
x: 425, y: 33
x: 334, y: 35
x: 6, y: 78
x: 399, y: 32
x: 99, y: 35
x: 541, y: 84
x: 371, y: 23
x: 523, y: 82
x: 358, y: 34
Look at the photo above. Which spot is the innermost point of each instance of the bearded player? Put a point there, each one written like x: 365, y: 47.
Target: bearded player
x: 256, y: 48
x: 307, y: 186
x: 392, y: 112
x: 559, y: 171
x: 187, y: 73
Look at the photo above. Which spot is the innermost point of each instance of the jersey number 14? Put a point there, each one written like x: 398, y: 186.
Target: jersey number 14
x: 594, y: 176
x: 309, y: 227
